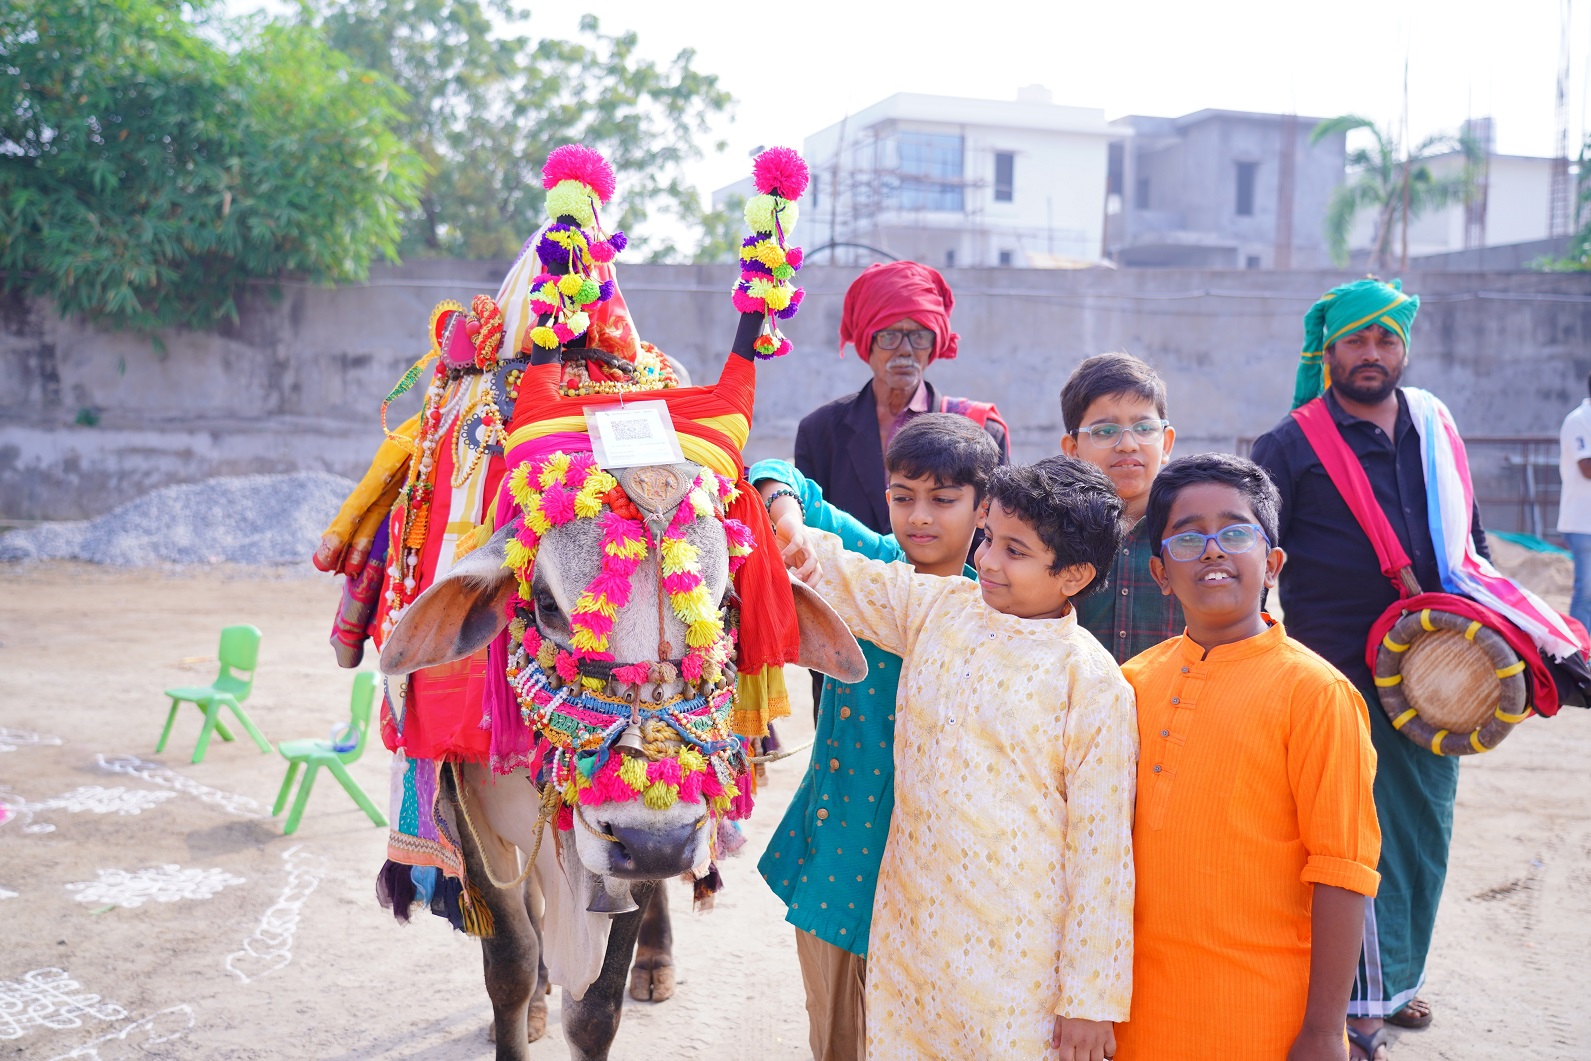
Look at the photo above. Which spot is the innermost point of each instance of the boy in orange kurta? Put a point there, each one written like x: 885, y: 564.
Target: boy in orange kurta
x: 1255, y: 834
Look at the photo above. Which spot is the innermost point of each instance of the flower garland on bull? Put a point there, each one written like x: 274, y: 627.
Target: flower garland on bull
x: 576, y: 723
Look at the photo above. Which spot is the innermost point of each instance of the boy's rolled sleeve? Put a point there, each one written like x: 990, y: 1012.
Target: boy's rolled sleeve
x: 1101, y: 771
x: 881, y: 602
x: 1332, y: 766
x: 817, y: 513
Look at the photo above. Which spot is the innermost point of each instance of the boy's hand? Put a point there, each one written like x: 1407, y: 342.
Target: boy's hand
x: 795, y: 544
x: 1322, y: 1045
x: 1084, y: 1040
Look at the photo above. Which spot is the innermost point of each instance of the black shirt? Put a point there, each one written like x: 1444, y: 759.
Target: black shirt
x: 1332, y: 587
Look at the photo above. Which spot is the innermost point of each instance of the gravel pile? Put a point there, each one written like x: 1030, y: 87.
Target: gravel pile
x: 245, y: 519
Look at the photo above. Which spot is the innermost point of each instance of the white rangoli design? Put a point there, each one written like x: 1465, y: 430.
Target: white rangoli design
x: 271, y: 946
x: 12, y: 739
x: 49, y: 998
x: 134, y: 1041
x: 155, y: 774
x: 157, y: 884
x: 85, y: 799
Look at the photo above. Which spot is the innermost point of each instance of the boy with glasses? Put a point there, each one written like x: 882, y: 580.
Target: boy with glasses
x: 1114, y: 410
x: 1255, y: 836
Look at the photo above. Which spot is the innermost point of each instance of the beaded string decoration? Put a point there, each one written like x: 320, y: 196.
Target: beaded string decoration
x: 577, y: 180
x: 767, y: 264
x: 691, y: 751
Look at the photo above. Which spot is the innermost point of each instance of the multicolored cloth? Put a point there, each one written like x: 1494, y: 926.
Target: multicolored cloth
x: 888, y: 291
x: 1345, y: 309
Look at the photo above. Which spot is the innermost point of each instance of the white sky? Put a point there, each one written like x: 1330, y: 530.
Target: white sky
x: 812, y: 61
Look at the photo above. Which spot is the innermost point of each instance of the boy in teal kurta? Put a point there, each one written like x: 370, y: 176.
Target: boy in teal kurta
x: 937, y: 467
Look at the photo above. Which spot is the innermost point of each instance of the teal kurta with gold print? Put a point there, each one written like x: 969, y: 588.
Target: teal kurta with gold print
x: 823, y: 858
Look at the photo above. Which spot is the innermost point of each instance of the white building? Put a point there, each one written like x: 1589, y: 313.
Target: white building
x: 957, y: 182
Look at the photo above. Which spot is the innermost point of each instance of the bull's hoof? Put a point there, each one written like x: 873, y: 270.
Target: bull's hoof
x: 535, y: 1022
x: 652, y: 985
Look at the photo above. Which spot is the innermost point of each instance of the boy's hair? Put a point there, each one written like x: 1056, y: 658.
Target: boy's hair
x: 1104, y: 375
x: 1072, y: 506
x: 1244, y: 476
x: 952, y: 449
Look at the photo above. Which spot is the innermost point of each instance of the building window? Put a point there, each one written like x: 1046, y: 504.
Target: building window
x: 1115, y: 168
x: 1245, y: 188
x: 1140, y: 199
x: 1004, y: 176
x: 1251, y: 262
x: 1005, y: 258
x: 930, y: 170
x: 813, y: 201
x: 950, y: 258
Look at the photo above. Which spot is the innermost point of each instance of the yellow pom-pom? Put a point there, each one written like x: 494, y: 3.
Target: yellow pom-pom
x: 691, y: 761
x: 600, y: 482
x: 547, y: 654
x: 586, y: 641
x: 519, y: 486
x: 588, y: 502
x: 769, y: 254
x: 554, y: 470
x: 678, y: 555
x: 778, y: 296
x: 594, y: 684
x: 571, y: 198
x: 536, y: 521
x: 703, y: 633
x: 590, y: 603
x: 579, y: 322
x: 570, y: 283
x: 633, y: 772
x: 661, y: 795
x: 515, y: 556
x: 543, y: 337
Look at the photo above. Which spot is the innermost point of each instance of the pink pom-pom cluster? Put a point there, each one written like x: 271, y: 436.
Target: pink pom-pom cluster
x: 780, y: 171
x: 576, y: 162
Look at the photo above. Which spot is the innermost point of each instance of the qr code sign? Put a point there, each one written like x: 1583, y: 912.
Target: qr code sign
x: 632, y: 429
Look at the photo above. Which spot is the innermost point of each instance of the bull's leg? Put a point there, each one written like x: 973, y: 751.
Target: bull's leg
x: 512, y: 953
x: 536, y: 1018
x: 652, y: 976
x: 590, y: 1024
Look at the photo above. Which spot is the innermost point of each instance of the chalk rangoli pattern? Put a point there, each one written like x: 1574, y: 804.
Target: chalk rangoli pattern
x: 85, y: 799
x: 134, y: 1041
x: 157, y: 884
x: 12, y: 739
x: 49, y: 998
x: 271, y: 946
x: 155, y: 774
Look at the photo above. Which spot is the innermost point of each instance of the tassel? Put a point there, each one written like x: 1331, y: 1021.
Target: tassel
x: 395, y: 889
x: 703, y: 889
x: 477, y: 916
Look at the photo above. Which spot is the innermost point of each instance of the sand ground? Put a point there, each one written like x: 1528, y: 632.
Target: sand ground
x: 265, y: 946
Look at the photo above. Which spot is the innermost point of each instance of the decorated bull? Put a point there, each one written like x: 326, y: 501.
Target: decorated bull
x: 624, y: 630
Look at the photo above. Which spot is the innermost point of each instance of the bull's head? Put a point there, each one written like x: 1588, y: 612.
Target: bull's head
x: 620, y: 652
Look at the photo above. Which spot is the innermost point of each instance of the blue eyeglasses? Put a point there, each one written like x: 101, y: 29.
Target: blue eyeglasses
x: 1238, y: 538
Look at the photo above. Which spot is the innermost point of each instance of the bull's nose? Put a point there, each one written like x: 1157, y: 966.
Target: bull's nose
x: 651, y: 853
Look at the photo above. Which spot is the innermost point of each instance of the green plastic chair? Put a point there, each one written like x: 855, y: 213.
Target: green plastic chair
x: 240, y: 650
x: 345, y: 747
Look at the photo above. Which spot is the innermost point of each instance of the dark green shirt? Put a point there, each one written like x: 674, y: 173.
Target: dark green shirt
x: 1129, y: 614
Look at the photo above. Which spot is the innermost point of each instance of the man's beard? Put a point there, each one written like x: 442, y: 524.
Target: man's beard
x: 1367, y: 385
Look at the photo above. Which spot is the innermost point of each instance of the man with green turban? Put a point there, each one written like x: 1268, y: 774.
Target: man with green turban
x: 1356, y: 346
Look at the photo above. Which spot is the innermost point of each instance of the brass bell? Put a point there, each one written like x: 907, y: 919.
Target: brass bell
x: 631, y: 738
x: 611, y: 897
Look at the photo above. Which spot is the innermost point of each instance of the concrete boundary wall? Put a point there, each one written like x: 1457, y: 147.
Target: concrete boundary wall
x: 298, y: 382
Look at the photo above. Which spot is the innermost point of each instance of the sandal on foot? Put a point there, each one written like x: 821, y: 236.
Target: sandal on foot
x: 1368, y: 1042
x: 1416, y: 1015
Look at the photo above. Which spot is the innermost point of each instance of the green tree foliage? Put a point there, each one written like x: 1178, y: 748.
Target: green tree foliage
x: 1377, y: 178
x: 721, y: 230
x: 487, y: 105
x: 152, y: 164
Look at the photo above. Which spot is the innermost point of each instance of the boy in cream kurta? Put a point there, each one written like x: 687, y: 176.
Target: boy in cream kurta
x: 1002, y: 926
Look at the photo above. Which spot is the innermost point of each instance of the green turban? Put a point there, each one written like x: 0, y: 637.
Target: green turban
x: 1343, y: 310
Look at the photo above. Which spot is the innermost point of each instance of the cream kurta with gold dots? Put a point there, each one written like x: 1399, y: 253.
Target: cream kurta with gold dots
x: 1006, y: 892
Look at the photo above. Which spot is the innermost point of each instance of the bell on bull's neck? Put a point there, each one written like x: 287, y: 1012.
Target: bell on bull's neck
x: 631, y: 738
x: 611, y: 896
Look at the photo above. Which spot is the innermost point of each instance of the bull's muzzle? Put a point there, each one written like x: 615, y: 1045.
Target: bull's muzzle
x: 652, y: 853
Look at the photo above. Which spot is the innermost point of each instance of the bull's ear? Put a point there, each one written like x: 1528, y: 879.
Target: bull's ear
x: 827, y: 645
x: 457, y: 616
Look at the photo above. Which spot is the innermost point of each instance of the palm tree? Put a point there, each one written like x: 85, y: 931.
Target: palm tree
x: 1391, y: 185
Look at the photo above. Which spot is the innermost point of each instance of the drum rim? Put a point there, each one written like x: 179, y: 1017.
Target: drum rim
x: 1405, y: 718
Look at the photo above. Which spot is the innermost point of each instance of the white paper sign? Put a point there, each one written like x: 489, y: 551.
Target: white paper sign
x: 633, y: 435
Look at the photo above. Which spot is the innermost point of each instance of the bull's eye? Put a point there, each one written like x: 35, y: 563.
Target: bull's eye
x: 546, y: 604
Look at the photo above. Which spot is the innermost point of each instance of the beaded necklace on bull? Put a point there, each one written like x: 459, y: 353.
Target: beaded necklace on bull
x: 689, y: 750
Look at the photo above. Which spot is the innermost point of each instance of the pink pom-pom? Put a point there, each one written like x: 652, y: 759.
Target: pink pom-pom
x: 780, y: 170
x: 681, y: 581
x: 602, y: 251
x: 576, y: 162
x: 634, y: 674
x: 563, y: 333
x: 744, y: 303
x: 566, y: 818
x: 691, y: 667
x: 566, y: 667
x: 740, y: 807
x: 664, y: 770
x: 690, y: 787
x: 558, y: 505
x: 599, y: 625
x: 793, y: 257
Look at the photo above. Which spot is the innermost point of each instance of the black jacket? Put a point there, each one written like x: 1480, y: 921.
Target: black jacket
x: 837, y: 446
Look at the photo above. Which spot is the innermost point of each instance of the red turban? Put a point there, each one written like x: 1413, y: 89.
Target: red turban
x: 886, y: 292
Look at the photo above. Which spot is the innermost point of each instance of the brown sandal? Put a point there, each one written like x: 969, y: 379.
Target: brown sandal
x: 1416, y: 1015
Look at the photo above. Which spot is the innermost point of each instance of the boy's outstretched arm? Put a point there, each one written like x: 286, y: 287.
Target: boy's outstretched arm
x: 1337, y: 926
x: 769, y: 476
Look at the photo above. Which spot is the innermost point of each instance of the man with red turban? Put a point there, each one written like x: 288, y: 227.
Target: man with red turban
x: 897, y: 316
